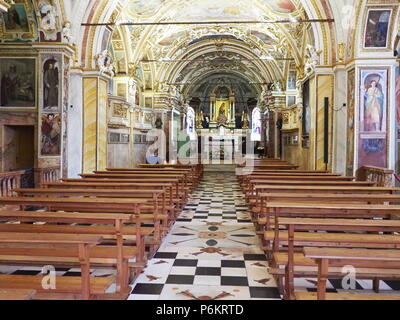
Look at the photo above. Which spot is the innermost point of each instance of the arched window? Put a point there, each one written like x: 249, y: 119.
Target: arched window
x: 256, y: 125
x: 190, y: 123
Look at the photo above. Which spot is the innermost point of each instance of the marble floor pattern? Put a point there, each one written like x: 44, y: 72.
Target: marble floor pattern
x: 211, y: 252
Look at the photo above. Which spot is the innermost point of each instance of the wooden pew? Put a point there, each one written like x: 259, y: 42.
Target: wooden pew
x: 258, y: 186
x: 94, y: 205
x: 190, y: 181
x: 82, y: 243
x: 156, y: 200
x: 181, y: 192
x: 168, y: 188
x: 17, y: 294
x: 258, y: 213
x: 105, y: 254
x: 359, y: 258
x: 290, y: 238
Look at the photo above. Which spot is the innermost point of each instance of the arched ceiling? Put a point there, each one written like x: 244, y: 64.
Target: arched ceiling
x: 177, y: 52
x: 183, y: 52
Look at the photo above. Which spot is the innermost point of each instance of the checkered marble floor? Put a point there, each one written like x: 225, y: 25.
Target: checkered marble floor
x: 211, y: 252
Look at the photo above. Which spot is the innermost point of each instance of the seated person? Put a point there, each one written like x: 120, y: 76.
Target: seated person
x: 153, y: 159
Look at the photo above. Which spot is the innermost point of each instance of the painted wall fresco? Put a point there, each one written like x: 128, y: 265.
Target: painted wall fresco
x: 50, y: 134
x: 351, y: 95
x: 372, y: 148
x: 51, y: 85
x: 17, y: 82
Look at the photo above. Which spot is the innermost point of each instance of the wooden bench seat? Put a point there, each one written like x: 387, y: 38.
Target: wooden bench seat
x: 345, y: 296
x: 17, y: 294
x: 66, y: 287
x: 337, y: 239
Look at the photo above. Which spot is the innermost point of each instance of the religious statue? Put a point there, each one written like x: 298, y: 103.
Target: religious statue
x: 373, y: 107
x: 104, y: 62
x: 277, y: 86
x: 66, y: 33
x: 222, y: 119
x: 245, y: 120
x: 48, y: 21
x: 200, y: 120
x: 312, y: 59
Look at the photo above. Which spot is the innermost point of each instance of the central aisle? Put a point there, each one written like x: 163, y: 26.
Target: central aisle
x: 212, y: 251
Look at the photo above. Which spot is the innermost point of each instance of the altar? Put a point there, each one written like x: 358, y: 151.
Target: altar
x: 220, y: 145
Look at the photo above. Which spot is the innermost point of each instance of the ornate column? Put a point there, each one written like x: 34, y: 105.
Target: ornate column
x: 95, y: 85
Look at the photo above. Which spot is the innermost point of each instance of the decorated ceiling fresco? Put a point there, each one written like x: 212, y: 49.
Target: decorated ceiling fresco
x: 282, y: 6
x: 210, y: 9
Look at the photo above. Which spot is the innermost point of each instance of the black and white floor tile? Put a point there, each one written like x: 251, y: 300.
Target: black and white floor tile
x: 211, y: 252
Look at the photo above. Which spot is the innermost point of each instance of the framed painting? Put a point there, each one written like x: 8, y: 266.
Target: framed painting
x: 18, y: 23
x: 17, y: 83
x: 373, y: 105
x: 378, y: 28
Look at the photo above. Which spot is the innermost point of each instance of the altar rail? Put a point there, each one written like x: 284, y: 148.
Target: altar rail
x: 382, y: 176
x: 50, y: 174
x: 10, y: 180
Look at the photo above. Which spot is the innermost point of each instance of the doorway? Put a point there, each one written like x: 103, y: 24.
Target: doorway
x: 20, y: 151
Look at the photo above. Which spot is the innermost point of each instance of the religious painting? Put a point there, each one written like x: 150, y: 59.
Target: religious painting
x: 190, y: 123
x: 194, y: 10
x: 377, y: 28
x: 169, y: 40
x: 50, y: 141
x: 373, y: 100
x: 19, y: 23
x: 51, y: 85
x: 290, y: 101
x: 256, y: 125
x: 18, y: 82
x: 222, y: 111
x: 351, y: 95
x: 106, y: 37
x: 291, y: 83
x: 281, y: 6
x: 372, y: 149
x: 15, y: 19
x: 262, y: 36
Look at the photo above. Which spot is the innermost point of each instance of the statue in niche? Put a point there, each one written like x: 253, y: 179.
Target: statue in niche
x: 222, y: 119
